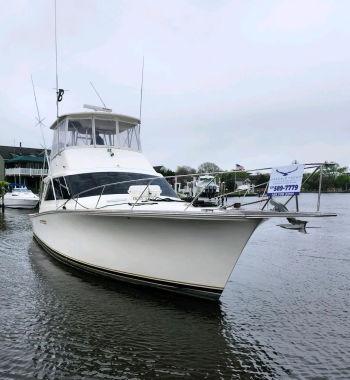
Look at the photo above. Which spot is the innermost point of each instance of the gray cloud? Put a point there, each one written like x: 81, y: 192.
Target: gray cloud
x: 258, y: 83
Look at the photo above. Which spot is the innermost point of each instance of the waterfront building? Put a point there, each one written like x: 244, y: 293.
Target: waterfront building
x: 22, y: 166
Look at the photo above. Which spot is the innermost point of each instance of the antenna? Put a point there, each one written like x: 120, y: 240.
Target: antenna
x: 97, y: 108
x: 40, y: 123
x: 36, y: 101
x: 141, y: 91
x: 57, y: 93
x: 99, y: 96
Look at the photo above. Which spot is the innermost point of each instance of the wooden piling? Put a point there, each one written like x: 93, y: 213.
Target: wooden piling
x: 3, y: 189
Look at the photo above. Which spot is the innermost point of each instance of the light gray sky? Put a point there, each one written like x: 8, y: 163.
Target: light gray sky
x: 257, y: 83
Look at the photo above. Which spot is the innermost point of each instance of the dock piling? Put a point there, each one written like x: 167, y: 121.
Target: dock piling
x: 3, y: 189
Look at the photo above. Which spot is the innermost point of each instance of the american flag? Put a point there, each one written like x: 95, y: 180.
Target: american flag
x: 240, y: 167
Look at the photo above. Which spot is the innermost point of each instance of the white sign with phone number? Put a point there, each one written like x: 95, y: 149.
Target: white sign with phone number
x: 286, y: 180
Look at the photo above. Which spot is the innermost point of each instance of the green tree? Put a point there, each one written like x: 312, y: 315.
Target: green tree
x: 208, y: 167
x: 3, y: 188
x: 166, y: 172
x: 183, y: 170
x: 230, y: 179
x: 342, y: 182
x: 334, y: 177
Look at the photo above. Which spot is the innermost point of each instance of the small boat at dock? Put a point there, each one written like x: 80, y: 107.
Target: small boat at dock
x: 21, y: 198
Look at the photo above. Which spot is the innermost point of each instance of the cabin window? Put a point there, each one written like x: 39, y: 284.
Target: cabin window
x: 49, y: 193
x: 105, y: 132
x: 129, y: 136
x: 61, y: 188
x: 79, y: 132
x: 61, y: 138
x: 81, y: 182
x: 99, y: 131
x: 54, y: 148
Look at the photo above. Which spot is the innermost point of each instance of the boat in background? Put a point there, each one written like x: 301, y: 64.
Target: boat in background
x: 21, y: 197
x: 204, y: 189
x: 245, y: 188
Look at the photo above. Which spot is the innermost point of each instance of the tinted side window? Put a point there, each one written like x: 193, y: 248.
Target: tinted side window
x: 61, y: 188
x: 81, y: 182
x: 49, y: 193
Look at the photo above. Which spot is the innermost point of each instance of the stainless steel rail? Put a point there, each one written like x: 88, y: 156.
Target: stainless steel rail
x: 316, y: 166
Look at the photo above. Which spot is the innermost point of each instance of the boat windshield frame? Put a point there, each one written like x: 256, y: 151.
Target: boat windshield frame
x: 146, y: 182
x: 95, y: 131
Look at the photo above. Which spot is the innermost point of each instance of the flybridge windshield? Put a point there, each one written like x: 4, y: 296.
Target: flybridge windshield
x: 96, y: 132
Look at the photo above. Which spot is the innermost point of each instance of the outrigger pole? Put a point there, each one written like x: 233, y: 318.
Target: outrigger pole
x: 141, y: 90
x: 57, y: 93
x: 41, y: 124
x: 99, y: 96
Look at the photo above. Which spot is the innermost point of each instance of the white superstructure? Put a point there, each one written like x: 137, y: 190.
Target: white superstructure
x: 104, y: 209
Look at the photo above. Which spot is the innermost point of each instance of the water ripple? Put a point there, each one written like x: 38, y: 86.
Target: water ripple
x: 284, y: 314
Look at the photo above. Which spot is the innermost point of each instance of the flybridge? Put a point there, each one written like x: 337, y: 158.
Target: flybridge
x: 92, y: 129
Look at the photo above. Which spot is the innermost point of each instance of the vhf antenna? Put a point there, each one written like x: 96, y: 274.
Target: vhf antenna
x: 99, y: 96
x: 56, y: 59
x: 141, y: 90
x: 59, y: 91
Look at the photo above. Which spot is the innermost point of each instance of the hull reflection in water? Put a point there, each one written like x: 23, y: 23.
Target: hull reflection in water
x: 81, y: 327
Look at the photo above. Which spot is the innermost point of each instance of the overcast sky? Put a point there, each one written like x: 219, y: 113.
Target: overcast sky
x: 257, y: 83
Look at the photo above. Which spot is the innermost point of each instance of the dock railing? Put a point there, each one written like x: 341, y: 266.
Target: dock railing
x: 31, y: 172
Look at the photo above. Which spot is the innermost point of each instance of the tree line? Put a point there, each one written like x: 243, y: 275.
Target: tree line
x: 335, y: 178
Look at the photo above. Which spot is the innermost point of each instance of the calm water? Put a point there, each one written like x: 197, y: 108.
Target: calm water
x: 284, y: 313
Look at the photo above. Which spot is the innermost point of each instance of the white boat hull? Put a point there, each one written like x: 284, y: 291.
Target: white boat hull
x: 21, y: 203
x: 194, y: 256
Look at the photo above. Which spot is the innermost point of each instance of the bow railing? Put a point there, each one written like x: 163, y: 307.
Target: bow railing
x: 77, y: 196
x: 221, y: 198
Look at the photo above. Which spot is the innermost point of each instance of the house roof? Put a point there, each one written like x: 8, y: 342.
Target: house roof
x: 9, y: 152
x: 26, y: 158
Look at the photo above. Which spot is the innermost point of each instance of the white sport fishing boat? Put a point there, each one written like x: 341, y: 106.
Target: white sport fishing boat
x: 204, y: 188
x: 105, y: 210
x: 21, y: 197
